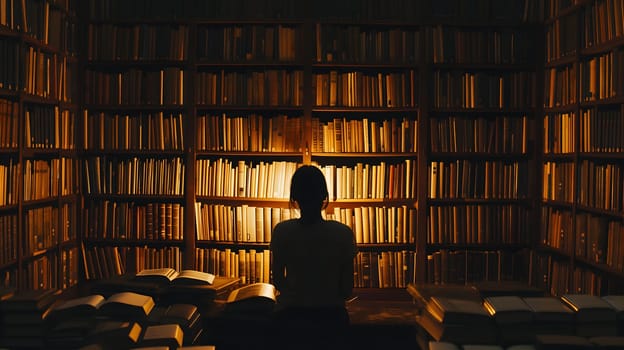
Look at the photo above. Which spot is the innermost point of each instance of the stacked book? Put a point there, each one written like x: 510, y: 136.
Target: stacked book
x: 550, y: 316
x: 513, y: 318
x: 116, y: 321
x: 594, y: 316
x: 186, y: 316
x: 23, y: 318
x: 457, y: 321
x: 617, y: 302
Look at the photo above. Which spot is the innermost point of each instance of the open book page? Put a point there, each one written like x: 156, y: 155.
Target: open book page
x: 255, y: 290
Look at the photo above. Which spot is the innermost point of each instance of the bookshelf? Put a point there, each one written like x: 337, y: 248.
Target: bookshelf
x: 38, y: 160
x: 479, y: 157
x: 462, y: 144
x: 581, y: 215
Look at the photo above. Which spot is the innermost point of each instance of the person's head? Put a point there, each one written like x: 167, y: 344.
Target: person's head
x: 309, y: 189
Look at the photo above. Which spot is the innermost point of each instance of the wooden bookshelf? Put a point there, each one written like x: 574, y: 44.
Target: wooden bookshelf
x: 581, y: 143
x: 40, y: 174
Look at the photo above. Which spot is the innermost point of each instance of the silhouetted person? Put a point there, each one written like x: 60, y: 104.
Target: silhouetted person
x: 312, y: 267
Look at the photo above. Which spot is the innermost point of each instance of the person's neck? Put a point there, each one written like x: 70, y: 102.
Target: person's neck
x: 311, y: 218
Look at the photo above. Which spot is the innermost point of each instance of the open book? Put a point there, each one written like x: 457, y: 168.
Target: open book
x: 164, y: 276
x: 255, y: 297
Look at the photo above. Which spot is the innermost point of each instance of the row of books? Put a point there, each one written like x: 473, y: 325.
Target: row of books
x: 363, y: 181
x: 70, y: 269
x: 603, y: 240
x: 456, y: 89
x: 244, y: 223
x: 558, y: 181
x: 478, y: 179
x: 465, y: 267
x: 9, y: 120
x: 602, y: 130
x: 9, y: 183
x: 387, y: 269
x: 602, y: 21
x: 41, y: 273
x: 270, y: 87
x: 560, y: 86
x: 109, y: 220
x: 110, y: 175
x: 600, y: 77
x: 248, y: 43
x: 104, y: 262
x: 45, y: 74
x: 135, y: 87
x: 251, y: 266
x: 561, y: 37
x: 343, y: 134
x: 558, y: 277
x: 499, y: 134
x: 378, y: 224
x: 365, y: 88
x: 110, y: 42
x: 68, y: 229
x: 459, y: 45
x: 478, y: 224
x: 601, y: 185
x: 8, y: 241
x: 46, y: 127
x: 231, y: 178
x: 358, y: 44
x: 133, y: 131
x: 560, y: 133
x: 46, y: 22
x: 249, y: 132
x: 153, y: 258
x: 384, y: 269
x: 48, y: 178
x: 41, y: 229
x: 556, y: 229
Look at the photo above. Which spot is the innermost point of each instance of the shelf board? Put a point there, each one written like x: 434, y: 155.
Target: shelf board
x: 384, y: 110
x: 250, y: 65
x: 90, y: 242
x: 134, y: 108
x: 94, y: 64
x: 4, y: 209
x: 364, y: 155
x: 478, y: 201
x: 244, y: 154
x: 614, y: 215
x: 247, y: 109
x: 478, y: 155
x: 148, y: 153
x: 431, y: 247
x: 141, y: 198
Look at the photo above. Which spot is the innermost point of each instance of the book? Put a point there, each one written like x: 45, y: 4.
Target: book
x: 83, y: 307
x: 561, y: 342
x: 589, y: 308
x: 442, y: 345
x: 457, y: 311
x: 458, y: 333
x: 127, y: 306
x: 508, y: 309
x: 607, y: 342
x: 257, y: 297
x: 187, y: 316
x: 120, y: 334
x: 170, y: 335
x: 550, y: 316
x: 171, y: 276
x: 30, y: 300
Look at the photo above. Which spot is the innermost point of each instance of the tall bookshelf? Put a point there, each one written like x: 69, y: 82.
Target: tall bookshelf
x: 582, y: 209
x: 479, y: 159
x: 40, y: 175
x: 355, y: 89
x: 428, y: 119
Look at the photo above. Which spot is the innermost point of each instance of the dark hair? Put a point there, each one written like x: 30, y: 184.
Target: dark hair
x: 308, y: 187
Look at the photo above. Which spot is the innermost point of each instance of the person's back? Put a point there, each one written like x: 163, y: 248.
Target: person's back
x: 312, y: 268
x: 315, y: 255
